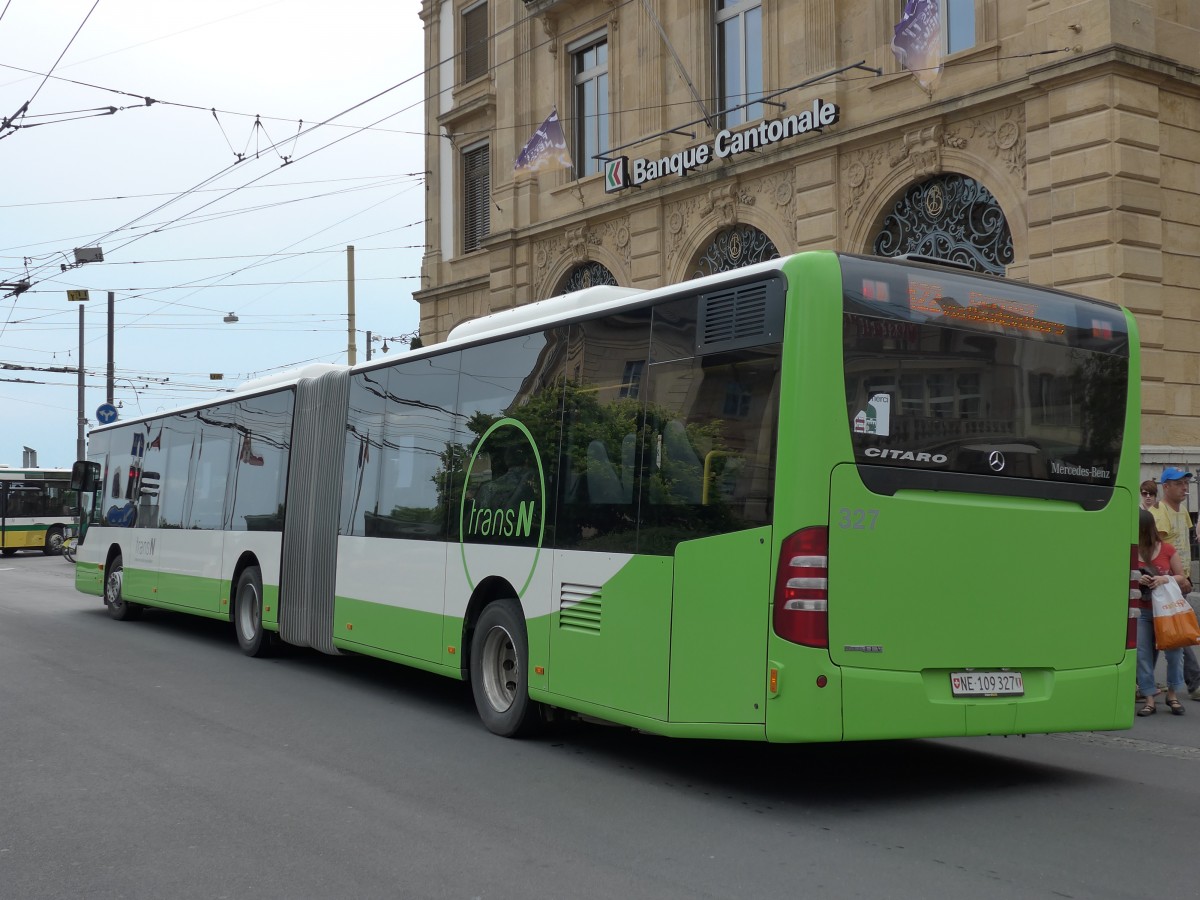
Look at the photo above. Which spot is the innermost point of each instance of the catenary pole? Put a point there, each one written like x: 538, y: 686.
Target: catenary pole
x: 111, y: 370
x: 350, y: 348
x: 80, y: 451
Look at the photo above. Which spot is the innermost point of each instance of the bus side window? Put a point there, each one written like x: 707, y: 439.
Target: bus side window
x: 604, y: 485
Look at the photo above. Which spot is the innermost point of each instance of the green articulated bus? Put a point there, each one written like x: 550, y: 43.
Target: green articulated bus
x: 37, y: 509
x: 824, y: 498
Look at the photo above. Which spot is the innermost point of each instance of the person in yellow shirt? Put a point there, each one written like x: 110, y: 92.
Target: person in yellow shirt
x: 1175, y: 526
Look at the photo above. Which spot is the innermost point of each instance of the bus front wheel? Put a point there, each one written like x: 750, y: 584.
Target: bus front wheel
x: 118, y: 607
x: 499, y: 670
x: 247, y: 614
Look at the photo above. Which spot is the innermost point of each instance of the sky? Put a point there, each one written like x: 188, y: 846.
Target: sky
x: 197, y: 212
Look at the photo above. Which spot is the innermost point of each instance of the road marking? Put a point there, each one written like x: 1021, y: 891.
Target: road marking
x: 1126, y: 743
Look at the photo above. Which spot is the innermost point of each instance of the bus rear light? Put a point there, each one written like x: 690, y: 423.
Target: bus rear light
x: 801, y: 609
x: 1135, y: 596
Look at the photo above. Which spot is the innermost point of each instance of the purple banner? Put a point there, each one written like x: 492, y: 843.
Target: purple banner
x: 546, y: 150
x: 918, y: 41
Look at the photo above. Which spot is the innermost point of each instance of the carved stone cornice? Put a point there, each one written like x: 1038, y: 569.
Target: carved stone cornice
x: 682, y: 217
x: 859, y: 169
x: 922, y: 147
x: 578, y: 245
x: 1003, y: 135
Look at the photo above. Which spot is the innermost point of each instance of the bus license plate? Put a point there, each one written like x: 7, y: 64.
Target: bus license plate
x: 987, y: 684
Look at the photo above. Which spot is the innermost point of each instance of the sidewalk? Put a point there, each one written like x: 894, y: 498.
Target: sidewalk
x: 1191, y: 707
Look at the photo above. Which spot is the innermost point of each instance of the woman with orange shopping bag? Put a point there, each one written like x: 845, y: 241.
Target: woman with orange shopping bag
x: 1159, y: 563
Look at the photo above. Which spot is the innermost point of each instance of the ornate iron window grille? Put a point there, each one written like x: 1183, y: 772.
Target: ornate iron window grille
x: 733, y: 248
x: 949, y: 217
x: 587, y: 275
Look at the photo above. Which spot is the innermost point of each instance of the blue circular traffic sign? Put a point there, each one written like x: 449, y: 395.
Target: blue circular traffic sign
x: 106, y: 413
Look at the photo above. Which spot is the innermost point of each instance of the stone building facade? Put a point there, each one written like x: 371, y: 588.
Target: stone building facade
x: 1060, y: 144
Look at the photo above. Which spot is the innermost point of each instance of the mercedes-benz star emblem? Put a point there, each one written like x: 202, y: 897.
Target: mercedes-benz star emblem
x: 996, y: 461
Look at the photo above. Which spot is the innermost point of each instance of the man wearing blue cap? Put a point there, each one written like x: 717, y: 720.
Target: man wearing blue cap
x: 1175, y: 527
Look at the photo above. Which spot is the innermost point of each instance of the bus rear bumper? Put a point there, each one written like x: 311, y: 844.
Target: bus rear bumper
x: 883, y: 704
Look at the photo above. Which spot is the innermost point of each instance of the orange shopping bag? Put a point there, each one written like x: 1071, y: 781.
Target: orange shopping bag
x: 1174, y: 620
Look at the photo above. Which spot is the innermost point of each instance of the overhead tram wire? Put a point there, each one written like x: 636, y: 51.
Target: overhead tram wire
x: 202, y: 287
x: 184, y: 287
x: 179, y: 259
x: 154, y: 101
x: 171, y: 194
x: 198, y: 288
x: 103, y: 237
x: 217, y: 216
x: 20, y: 114
x: 163, y: 226
x: 262, y: 262
x: 87, y: 239
x: 327, y: 121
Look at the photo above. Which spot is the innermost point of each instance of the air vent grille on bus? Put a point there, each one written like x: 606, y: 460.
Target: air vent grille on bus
x: 742, y: 316
x: 579, y: 607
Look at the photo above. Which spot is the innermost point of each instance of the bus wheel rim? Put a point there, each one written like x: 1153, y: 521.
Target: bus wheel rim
x: 500, y: 669
x: 247, y: 611
x: 112, y: 588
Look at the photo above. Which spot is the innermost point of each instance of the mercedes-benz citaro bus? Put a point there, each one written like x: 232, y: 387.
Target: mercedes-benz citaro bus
x: 823, y: 498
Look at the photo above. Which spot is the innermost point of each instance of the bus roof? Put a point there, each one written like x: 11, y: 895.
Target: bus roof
x: 291, y: 376
x: 591, y: 299
x: 577, y: 304
x: 7, y: 473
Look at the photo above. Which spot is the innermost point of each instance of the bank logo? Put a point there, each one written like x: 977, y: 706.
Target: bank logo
x: 615, y: 172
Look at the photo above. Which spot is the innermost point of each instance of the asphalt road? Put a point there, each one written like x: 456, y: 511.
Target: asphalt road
x: 152, y: 760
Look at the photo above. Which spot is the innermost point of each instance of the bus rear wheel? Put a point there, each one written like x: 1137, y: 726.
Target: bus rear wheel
x: 54, y: 541
x: 247, y: 614
x: 118, y: 607
x: 499, y: 670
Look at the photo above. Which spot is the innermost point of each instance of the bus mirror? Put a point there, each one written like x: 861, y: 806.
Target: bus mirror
x: 85, y: 476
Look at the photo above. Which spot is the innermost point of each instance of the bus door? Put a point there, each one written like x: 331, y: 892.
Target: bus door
x: 4, y: 520
x: 610, y: 639
x: 23, y: 508
x: 194, y: 466
x: 710, y: 456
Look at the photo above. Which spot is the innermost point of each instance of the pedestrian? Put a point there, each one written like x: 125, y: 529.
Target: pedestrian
x: 1149, y: 494
x: 1159, y: 563
x: 1175, y: 527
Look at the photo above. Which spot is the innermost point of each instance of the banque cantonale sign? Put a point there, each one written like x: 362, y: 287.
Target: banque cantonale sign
x: 621, y: 172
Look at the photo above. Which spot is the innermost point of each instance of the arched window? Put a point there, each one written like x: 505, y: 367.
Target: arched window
x: 950, y: 217
x: 732, y: 248
x: 587, y: 275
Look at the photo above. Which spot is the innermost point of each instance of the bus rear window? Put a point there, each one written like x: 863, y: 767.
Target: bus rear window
x: 949, y: 372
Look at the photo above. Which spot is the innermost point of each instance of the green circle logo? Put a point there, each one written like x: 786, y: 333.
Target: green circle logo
x: 503, y: 501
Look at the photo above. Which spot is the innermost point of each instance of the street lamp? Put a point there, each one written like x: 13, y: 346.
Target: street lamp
x: 230, y: 319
